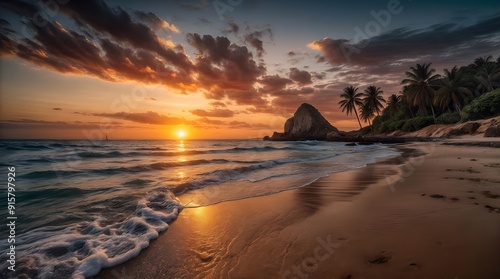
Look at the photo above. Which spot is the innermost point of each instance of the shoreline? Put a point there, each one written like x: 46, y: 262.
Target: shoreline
x: 391, y: 199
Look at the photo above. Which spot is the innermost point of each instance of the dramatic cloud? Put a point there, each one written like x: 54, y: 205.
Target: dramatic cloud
x: 255, y: 40
x: 41, y: 124
x: 244, y: 125
x: 203, y: 122
x: 274, y: 83
x: 439, y: 42
x: 156, y: 22
x: 149, y: 117
x: 233, y: 26
x: 228, y: 70
x: 119, y: 24
x: 300, y: 77
x: 213, y: 113
x: 113, y: 46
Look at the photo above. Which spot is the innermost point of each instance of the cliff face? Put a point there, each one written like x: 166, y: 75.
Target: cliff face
x: 306, y: 124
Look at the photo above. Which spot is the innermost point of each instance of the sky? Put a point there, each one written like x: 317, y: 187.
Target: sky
x: 216, y: 69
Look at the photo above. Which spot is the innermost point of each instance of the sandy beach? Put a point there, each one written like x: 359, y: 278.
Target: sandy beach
x: 432, y: 212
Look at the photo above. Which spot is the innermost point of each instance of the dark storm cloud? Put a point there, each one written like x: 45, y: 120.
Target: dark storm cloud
x: 445, y: 39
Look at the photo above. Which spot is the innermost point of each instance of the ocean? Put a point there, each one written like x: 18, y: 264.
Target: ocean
x: 82, y: 207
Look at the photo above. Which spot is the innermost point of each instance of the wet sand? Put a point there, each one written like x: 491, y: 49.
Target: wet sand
x: 414, y: 216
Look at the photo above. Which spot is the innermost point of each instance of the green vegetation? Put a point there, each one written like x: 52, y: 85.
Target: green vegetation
x: 448, y: 118
x: 487, y: 105
x: 461, y: 94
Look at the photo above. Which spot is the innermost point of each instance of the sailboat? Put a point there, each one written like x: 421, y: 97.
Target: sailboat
x: 106, y: 136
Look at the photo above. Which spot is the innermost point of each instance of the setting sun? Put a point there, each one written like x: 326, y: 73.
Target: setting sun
x: 181, y: 134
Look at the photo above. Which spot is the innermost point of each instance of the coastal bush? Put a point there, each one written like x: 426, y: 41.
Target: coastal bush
x: 487, y: 105
x: 448, y: 118
x: 417, y: 123
x: 384, y: 127
x: 377, y: 121
x: 377, y: 124
x: 397, y: 125
x: 365, y: 130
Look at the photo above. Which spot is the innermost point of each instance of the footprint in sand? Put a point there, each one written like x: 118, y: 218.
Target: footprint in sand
x: 415, y: 266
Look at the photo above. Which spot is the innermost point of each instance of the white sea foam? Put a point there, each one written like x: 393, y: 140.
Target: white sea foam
x: 82, y: 250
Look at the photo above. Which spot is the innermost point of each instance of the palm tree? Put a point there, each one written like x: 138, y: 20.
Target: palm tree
x: 452, y: 91
x: 393, y: 104
x: 482, y: 61
x: 489, y: 78
x: 373, y: 99
x: 351, y: 101
x: 420, y: 82
x: 366, y: 113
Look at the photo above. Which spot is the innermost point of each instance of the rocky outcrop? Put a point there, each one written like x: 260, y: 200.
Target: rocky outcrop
x: 492, y: 131
x: 306, y: 124
x: 465, y: 129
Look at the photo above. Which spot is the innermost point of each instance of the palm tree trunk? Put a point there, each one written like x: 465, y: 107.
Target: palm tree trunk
x: 359, y: 122
x: 433, y: 115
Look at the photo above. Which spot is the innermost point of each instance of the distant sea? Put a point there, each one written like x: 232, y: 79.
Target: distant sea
x: 83, y: 207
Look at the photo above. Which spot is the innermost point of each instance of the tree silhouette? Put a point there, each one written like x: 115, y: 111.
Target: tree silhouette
x: 488, y: 77
x: 453, y: 90
x: 351, y: 101
x: 420, y: 83
x: 373, y: 99
x: 366, y: 114
x: 393, y: 104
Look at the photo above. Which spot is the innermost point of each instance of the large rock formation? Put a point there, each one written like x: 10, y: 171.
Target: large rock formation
x: 306, y: 124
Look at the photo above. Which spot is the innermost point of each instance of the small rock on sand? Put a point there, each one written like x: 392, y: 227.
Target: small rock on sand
x: 437, y: 196
x: 380, y: 259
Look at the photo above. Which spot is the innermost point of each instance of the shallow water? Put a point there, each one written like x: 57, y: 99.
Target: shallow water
x: 83, y: 207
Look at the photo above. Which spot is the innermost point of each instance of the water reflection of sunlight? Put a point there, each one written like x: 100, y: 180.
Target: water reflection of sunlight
x: 181, y: 175
x: 199, y: 212
x: 181, y: 147
x: 181, y: 159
